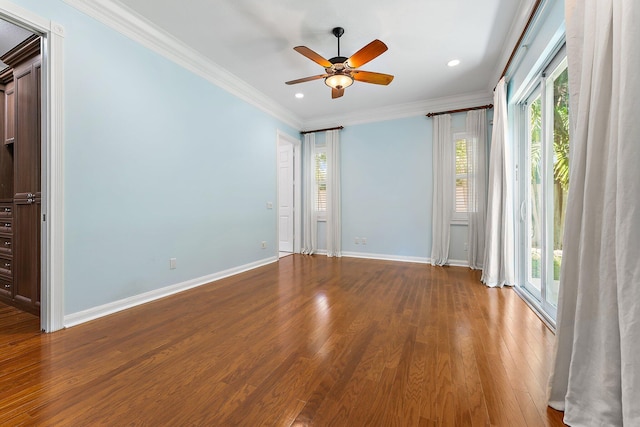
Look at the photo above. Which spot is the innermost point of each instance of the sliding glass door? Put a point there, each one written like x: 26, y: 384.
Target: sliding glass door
x: 544, y: 186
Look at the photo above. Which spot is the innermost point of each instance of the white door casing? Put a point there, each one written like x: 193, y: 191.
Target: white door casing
x: 285, y: 196
x: 289, y: 193
x: 52, y: 249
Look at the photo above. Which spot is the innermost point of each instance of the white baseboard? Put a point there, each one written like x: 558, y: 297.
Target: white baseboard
x: 458, y: 263
x: 123, y: 304
x: 419, y: 260
x: 384, y: 257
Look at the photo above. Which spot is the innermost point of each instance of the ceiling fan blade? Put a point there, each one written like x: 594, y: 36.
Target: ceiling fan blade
x: 306, y: 79
x: 369, y: 77
x: 315, y: 57
x: 336, y: 93
x: 367, y: 53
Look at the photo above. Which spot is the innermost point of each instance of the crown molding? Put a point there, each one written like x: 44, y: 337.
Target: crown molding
x: 28, y: 48
x: 139, y: 29
x: 134, y: 26
x: 400, y: 111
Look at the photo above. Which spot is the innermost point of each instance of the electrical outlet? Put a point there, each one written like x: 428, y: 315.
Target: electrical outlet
x: 172, y: 263
x: 363, y: 240
x: 263, y: 245
x: 466, y: 247
x: 269, y: 205
x: 357, y: 241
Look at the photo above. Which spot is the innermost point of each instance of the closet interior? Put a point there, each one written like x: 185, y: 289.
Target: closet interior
x: 20, y: 176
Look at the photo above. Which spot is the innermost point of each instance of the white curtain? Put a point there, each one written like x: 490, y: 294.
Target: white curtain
x: 596, y: 372
x: 443, y: 177
x: 309, y: 187
x: 334, y: 222
x: 476, y: 189
x: 498, y: 264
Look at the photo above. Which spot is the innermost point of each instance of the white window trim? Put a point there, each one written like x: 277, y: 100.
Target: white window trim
x: 321, y: 216
x: 458, y: 218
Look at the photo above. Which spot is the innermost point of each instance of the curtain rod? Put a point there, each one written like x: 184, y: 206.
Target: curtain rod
x: 302, y: 132
x: 517, y: 46
x: 462, y: 110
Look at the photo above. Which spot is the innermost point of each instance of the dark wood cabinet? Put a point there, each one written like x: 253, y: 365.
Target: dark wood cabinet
x: 6, y: 148
x: 9, y: 115
x: 20, y: 171
x: 6, y: 250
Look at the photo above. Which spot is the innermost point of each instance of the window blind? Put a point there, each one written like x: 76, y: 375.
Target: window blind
x: 321, y: 181
x: 462, y: 176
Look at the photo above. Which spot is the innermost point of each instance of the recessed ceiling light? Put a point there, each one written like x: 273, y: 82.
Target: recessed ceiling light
x: 453, y: 62
x: 299, y: 95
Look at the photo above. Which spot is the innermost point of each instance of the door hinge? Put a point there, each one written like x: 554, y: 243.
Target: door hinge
x: 44, y: 217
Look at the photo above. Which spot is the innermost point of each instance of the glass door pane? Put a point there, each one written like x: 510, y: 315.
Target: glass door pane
x: 534, y: 255
x: 558, y: 84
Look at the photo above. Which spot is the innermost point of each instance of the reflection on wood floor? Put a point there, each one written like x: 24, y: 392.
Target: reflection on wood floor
x: 309, y: 340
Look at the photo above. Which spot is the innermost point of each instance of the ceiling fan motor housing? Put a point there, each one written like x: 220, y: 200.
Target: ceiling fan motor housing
x: 340, y: 65
x: 338, y: 59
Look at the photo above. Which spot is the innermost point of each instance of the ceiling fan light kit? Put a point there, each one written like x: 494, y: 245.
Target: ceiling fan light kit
x: 338, y: 81
x: 341, y: 72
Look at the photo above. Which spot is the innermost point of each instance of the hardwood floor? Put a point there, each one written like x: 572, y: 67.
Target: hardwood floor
x: 305, y: 341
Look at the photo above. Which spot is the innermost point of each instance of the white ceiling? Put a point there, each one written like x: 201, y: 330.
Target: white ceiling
x: 254, y: 40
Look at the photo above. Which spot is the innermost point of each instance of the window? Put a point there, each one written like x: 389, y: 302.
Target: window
x: 461, y: 185
x: 321, y: 182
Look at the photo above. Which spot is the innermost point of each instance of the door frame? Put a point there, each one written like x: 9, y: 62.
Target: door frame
x: 537, y: 84
x: 285, y: 138
x: 52, y: 167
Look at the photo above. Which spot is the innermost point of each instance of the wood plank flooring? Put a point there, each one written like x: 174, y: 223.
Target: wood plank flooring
x: 305, y: 341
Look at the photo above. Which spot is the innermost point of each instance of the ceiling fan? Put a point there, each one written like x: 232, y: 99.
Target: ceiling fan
x: 340, y: 72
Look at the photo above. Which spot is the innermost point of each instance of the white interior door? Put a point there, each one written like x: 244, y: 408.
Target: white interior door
x: 285, y: 196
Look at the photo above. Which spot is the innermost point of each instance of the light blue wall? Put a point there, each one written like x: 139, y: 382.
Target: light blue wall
x: 159, y: 163
x: 387, y: 187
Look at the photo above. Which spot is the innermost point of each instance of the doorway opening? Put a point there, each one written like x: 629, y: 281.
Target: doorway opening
x: 44, y: 206
x: 289, y: 194
x: 20, y: 167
